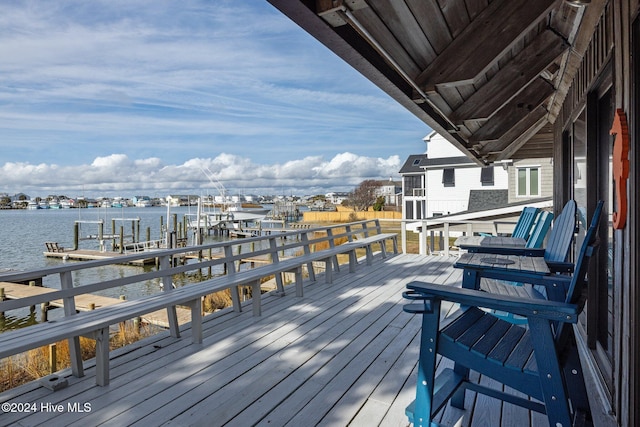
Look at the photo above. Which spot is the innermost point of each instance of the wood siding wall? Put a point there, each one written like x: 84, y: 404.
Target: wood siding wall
x: 546, y: 178
x: 611, y: 43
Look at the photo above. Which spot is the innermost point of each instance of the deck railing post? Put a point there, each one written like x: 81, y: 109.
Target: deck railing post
x: 307, y: 251
x: 445, y: 243
x: 365, y: 230
x: 403, y: 234
x: 275, y: 259
x: 167, y: 286
x: 66, y: 282
x: 332, y: 244
x: 231, y: 269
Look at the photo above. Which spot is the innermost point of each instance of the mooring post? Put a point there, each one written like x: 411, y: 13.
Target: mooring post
x: 123, y: 324
x: 32, y: 308
x: 44, y: 312
x: 113, y: 234
x: 53, y: 358
x: 76, y: 235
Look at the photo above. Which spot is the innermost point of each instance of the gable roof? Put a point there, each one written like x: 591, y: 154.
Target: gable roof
x: 417, y: 163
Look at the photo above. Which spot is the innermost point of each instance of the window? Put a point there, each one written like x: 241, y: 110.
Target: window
x: 412, y: 183
x: 486, y: 176
x: 416, y: 162
x: 528, y: 181
x: 449, y: 177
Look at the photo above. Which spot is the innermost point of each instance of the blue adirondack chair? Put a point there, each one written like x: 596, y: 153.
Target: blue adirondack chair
x: 525, y: 223
x: 542, y: 225
x: 558, y: 245
x: 540, y: 360
x: 539, y: 230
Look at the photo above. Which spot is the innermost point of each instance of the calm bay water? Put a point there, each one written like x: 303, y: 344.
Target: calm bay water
x: 24, y: 232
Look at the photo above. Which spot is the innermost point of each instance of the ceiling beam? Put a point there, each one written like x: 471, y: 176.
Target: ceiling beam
x: 513, y: 112
x: 512, y: 78
x: 494, y: 31
x: 516, y: 137
x: 520, y: 140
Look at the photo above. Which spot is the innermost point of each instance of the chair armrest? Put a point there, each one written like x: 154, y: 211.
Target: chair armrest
x: 552, y: 310
x: 503, y: 250
x: 560, y: 267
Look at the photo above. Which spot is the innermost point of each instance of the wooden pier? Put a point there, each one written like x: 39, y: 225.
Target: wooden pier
x: 87, y: 254
x: 87, y: 302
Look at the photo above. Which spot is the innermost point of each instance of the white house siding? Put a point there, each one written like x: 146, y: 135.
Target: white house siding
x: 441, y: 199
x: 447, y: 200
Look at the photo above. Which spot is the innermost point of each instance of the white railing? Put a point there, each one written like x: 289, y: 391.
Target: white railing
x: 445, y: 229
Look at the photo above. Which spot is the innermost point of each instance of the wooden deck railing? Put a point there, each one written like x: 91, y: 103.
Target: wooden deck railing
x: 285, y: 252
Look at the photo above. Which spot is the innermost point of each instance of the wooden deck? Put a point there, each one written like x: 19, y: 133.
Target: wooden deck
x: 87, y: 254
x: 344, y: 354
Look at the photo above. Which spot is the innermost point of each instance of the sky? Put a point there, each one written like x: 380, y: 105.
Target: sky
x: 121, y: 97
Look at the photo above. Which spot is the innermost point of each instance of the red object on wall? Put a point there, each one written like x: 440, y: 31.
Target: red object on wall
x: 620, y: 166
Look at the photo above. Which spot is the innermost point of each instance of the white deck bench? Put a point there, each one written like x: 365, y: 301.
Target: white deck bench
x: 95, y: 324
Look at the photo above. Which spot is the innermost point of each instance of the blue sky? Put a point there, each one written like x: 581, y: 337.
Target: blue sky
x: 123, y: 97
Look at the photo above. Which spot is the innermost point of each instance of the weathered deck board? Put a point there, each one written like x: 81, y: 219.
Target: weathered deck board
x: 345, y: 354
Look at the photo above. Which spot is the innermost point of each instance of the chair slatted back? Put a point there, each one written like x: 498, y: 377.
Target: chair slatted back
x: 540, y: 229
x: 525, y: 222
x: 576, y: 294
x: 561, y: 234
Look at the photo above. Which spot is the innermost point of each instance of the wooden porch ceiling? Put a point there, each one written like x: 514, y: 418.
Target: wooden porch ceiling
x: 490, y: 76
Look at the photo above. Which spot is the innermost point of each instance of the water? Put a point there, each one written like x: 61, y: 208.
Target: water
x: 24, y: 232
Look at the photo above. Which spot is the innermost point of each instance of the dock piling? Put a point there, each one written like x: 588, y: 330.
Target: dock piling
x: 53, y: 358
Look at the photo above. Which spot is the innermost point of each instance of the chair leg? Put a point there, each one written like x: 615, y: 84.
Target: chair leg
x: 551, y: 380
x: 574, y: 379
x: 427, y: 366
x: 457, y: 400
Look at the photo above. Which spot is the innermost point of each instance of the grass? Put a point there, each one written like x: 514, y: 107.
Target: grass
x: 37, y: 363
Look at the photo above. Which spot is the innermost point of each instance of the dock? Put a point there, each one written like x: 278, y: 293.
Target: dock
x: 87, y: 254
x: 90, y: 302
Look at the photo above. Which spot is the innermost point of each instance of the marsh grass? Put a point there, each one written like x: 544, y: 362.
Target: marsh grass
x: 33, y: 364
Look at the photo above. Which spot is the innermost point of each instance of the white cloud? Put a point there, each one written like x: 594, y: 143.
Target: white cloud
x: 118, y: 174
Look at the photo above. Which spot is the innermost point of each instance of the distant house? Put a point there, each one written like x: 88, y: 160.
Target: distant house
x: 182, y: 200
x: 391, y: 191
x: 336, y: 198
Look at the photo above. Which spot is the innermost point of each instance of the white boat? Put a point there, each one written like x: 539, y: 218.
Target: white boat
x: 240, y: 213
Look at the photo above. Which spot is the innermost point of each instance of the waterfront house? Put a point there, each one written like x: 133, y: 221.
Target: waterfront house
x: 439, y: 182
x: 520, y: 79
